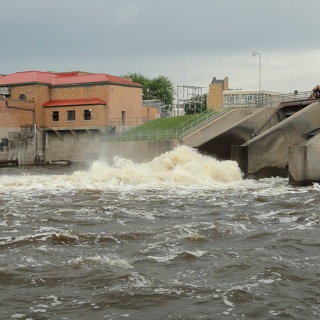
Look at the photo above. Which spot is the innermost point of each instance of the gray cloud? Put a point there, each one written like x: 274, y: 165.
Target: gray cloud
x: 188, y: 41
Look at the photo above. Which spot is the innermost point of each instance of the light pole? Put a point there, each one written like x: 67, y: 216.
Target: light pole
x: 254, y: 54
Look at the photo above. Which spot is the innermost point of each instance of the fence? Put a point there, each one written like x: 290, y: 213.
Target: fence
x: 167, y: 134
x: 266, y: 100
x: 202, y: 119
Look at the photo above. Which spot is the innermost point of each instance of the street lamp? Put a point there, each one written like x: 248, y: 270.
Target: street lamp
x: 254, y: 54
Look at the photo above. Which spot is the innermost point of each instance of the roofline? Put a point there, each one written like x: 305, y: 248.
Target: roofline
x: 134, y: 84
x: 51, y: 78
x: 74, y: 102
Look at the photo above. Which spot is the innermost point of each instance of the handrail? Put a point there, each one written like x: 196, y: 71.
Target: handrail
x: 168, y: 134
x: 195, y: 123
x: 187, y: 128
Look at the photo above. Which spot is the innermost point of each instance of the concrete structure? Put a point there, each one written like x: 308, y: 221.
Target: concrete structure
x: 303, y: 162
x: 234, y: 128
x: 51, y: 117
x: 267, y: 154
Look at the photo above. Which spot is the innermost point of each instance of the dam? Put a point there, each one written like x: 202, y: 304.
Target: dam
x: 265, y: 142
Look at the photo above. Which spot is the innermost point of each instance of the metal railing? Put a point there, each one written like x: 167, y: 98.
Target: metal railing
x: 202, y: 119
x: 168, y: 134
x: 267, y: 100
x: 129, y: 122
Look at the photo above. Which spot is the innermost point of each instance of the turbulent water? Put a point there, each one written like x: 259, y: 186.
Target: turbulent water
x: 180, y: 237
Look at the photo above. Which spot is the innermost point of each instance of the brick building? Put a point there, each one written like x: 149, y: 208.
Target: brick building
x: 76, y: 103
x: 215, y: 95
x: 73, y: 99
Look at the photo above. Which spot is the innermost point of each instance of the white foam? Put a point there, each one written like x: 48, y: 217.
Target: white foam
x: 182, y: 167
x: 18, y: 316
x: 104, y: 260
x: 266, y: 281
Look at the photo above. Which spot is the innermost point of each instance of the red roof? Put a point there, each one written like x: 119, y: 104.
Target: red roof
x: 74, y: 102
x: 27, y: 77
x: 58, y: 79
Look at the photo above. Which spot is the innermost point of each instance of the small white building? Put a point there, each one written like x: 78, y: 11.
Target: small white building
x: 251, y: 98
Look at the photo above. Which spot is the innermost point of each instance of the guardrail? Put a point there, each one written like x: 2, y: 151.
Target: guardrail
x: 267, y: 100
x: 199, y: 121
x: 168, y: 134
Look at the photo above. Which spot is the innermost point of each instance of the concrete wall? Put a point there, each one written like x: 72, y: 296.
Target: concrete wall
x: 303, y: 162
x: 86, y: 146
x: 138, y: 151
x: 26, y: 149
x: 267, y: 154
x: 234, y: 128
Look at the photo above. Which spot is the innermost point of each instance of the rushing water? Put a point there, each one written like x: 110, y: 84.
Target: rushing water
x: 180, y: 237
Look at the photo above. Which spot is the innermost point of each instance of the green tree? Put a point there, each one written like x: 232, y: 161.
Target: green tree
x: 159, y: 88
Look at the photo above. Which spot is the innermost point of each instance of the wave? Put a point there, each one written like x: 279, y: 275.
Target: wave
x: 181, y: 255
x: 182, y: 167
x: 102, y: 260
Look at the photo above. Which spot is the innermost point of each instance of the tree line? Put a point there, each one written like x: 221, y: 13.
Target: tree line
x: 161, y: 88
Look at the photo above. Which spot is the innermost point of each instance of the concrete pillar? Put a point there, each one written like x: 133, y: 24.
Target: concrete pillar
x: 297, y: 165
x: 240, y: 154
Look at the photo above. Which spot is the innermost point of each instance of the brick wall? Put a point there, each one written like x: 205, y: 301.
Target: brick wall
x: 124, y: 104
x: 215, y: 97
x: 99, y: 117
x: 11, y: 117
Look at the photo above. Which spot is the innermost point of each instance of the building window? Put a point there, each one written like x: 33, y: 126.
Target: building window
x: 230, y: 98
x: 87, y: 114
x: 71, y: 115
x: 123, y: 118
x: 22, y: 97
x: 55, y: 115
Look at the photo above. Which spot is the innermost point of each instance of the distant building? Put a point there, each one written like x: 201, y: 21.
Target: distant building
x: 220, y: 96
x: 215, y: 95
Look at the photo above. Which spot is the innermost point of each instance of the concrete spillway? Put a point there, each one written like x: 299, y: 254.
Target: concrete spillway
x: 271, y: 141
x: 303, y: 162
x: 271, y: 152
x: 266, y: 142
x: 234, y: 128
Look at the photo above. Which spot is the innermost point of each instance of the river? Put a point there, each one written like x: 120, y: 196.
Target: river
x: 183, y: 236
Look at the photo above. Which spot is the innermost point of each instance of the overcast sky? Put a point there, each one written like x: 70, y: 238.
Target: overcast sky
x: 189, y: 41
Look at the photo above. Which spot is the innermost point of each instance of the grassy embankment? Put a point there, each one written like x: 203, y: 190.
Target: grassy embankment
x: 165, y: 128
x: 165, y: 123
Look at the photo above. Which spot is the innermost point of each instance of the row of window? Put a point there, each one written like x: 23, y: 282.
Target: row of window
x: 71, y: 115
x: 240, y: 97
x: 244, y: 98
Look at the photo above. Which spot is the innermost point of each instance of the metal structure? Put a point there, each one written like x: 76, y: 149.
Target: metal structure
x: 163, y: 109
x: 189, y: 95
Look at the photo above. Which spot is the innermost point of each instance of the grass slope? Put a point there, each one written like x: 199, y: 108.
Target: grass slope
x: 164, y: 123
